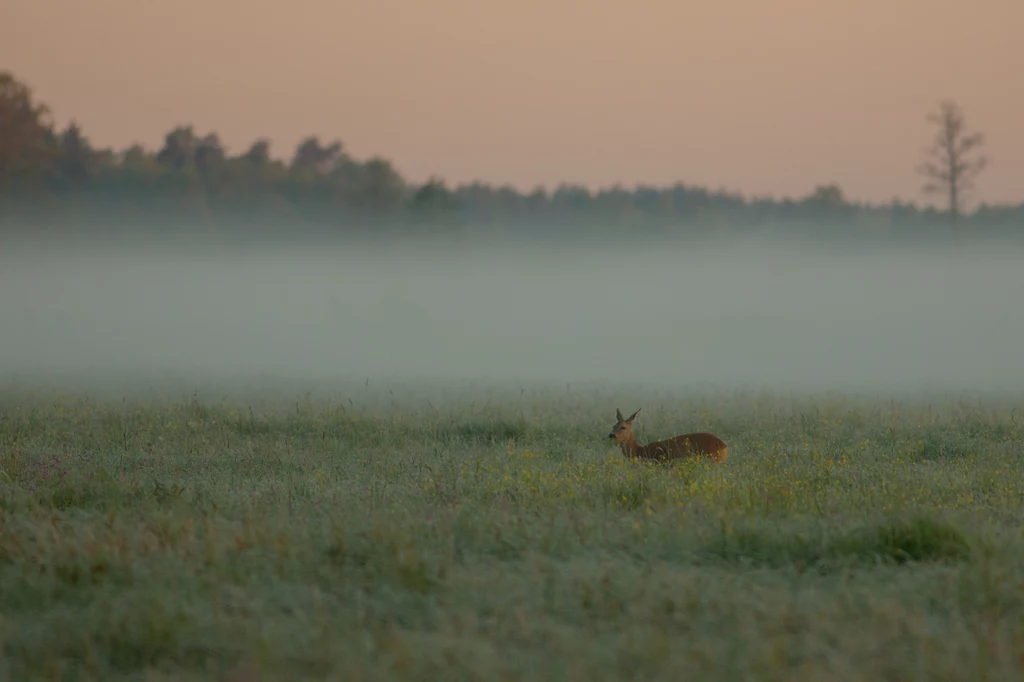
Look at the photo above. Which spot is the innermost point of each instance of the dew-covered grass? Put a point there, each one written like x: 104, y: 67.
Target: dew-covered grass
x: 376, y: 533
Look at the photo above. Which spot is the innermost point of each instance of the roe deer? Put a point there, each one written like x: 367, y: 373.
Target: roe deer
x: 677, y: 447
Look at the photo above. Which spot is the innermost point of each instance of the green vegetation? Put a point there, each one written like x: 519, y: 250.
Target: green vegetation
x: 51, y: 178
x: 393, y: 535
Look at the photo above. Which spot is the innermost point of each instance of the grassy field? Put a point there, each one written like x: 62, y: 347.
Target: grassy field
x: 383, y: 533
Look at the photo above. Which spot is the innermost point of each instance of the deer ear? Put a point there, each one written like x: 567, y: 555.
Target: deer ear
x: 633, y: 416
x: 618, y: 414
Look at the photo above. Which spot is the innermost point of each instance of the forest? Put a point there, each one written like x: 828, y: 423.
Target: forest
x: 52, y: 177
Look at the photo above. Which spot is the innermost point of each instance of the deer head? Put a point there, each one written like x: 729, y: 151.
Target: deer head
x: 623, y: 429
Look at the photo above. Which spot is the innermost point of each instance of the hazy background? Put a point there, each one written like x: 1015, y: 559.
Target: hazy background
x: 729, y: 314
x: 281, y: 216
x: 763, y: 97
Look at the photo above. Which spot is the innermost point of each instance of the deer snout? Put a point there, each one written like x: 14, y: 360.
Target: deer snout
x: 611, y: 435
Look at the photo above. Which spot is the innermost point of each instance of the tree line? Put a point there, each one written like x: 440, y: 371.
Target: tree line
x: 54, y: 176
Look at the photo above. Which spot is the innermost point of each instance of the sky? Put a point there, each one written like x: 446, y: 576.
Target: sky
x: 766, y: 97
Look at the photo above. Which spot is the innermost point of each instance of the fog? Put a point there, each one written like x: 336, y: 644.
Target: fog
x: 734, y: 315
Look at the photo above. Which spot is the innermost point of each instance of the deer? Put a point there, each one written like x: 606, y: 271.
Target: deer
x: 678, y: 447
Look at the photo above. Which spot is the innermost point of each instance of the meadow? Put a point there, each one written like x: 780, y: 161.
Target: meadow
x: 390, y: 532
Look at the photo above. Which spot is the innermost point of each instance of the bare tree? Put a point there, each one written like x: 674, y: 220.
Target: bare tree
x: 950, y: 163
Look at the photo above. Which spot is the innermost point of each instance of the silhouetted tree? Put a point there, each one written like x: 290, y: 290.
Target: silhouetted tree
x: 571, y: 198
x: 258, y: 154
x: 433, y: 198
x: 137, y: 158
x: 950, y: 164
x: 179, y: 148
x: 77, y: 162
x: 826, y: 197
x: 538, y: 199
x: 826, y: 202
x: 311, y: 156
x: 381, y: 186
x: 209, y: 153
x: 26, y: 136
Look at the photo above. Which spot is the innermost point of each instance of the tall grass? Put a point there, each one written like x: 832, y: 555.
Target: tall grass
x: 377, y: 533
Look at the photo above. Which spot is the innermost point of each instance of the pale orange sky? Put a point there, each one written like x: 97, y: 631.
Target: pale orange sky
x: 761, y: 96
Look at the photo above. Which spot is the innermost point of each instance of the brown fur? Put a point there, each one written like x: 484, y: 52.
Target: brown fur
x: 677, y: 447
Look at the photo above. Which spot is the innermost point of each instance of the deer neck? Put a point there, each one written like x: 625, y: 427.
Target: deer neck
x: 630, y: 448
